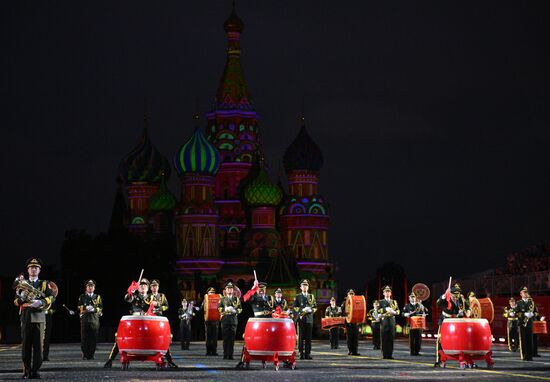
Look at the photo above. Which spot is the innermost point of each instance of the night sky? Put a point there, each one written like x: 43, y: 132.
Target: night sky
x: 433, y: 117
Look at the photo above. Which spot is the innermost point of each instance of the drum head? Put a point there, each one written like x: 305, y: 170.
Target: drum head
x: 421, y: 291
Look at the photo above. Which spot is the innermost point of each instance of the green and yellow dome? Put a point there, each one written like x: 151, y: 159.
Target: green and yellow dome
x: 262, y: 192
x: 163, y: 200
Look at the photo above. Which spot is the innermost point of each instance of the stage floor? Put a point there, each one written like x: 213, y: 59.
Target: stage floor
x: 328, y: 365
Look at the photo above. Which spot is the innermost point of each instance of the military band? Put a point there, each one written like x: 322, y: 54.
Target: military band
x: 90, y: 307
x: 33, y: 298
x: 526, y: 311
x: 352, y: 330
x: 512, y: 329
x: 229, y: 308
x: 412, y: 309
x: 210, y: 329
x: 388, y: 309
x: 185, y: 314
x: 305, y: 306
x: 334, y: 333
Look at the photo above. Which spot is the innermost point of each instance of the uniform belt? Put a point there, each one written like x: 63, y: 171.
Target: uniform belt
x: 263, y: 313
x: 513, y: 319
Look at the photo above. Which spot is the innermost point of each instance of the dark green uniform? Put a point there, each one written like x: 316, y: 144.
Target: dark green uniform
x: 305, y: 322
x: 334, y: 333
x: 524, y: 309
x: 139, y: 302
x: 48, y: 333
x: 229, y: 308
x: 375, y: 318
x: 512, y: 329
x: 415, y: 335
x: 162, y: 307
x: 91, y: 308
x: 185, y: 316
x: 261, y: 305
x: 33, y: 321
x: 352, y: 335
x: 387, y: 326
x: 281, y: 303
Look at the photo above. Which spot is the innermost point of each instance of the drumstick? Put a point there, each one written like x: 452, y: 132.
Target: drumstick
x: 449, y: 287
x: 255, y: 278
x: 141, y: 274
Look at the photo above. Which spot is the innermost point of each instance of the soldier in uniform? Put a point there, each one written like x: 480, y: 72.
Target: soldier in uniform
x: 278, y: 301
x: 305, y: 306
x: 160, y: 303
x: 352, y: 330
x: 512, y: 325
x: 211, y: 330
x: 261, y: 303
x: 229, y: 307
x: 414, y: 308
x: 375, y: 317
x: 140, y: 301
x: 33, y: 317
x: 91, y: 308
x: 333, y: 311
x: 452, y: 304
x: 526, y: 310
x: 388, y: 309
x: 185, y: 314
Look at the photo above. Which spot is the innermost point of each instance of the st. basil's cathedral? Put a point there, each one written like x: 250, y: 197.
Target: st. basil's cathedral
x: 231, y: 218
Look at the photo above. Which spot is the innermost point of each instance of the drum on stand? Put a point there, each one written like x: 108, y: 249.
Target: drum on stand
x: 356, y: 309
x: 418, y: 322
x: 539, y: 327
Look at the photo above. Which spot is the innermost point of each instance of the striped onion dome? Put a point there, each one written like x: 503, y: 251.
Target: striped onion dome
x: 163, y: 200
x: 262, y: 192
x: 144, y: 163
x: 197, y: 155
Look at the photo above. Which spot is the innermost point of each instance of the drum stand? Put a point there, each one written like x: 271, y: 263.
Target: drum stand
x: 467, y: 360
x: 246, y: 357
x: 158, y: 358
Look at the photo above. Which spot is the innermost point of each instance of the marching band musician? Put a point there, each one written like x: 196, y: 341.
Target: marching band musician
x: 210, y: 330
x: 526, y: 311
x: 388, y: 309
x: 32, y: 309
x: 160, y: 303
x: 352, y: 330
x: 512, y: 325
x: 333, y: 311
x: 229, y: 307
x: 185, y: 314
x: 278, y: 301
x: 375, y: 318
x: 91, y: 308
x: 452, y: 304
x: 414, y: 308
x: 305, y: 306
x: 260, y: 302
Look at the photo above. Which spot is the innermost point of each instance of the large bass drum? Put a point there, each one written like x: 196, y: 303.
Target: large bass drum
x: 356, y: 309
x: 467, y: 335
x: 143, y: 335
x: 211, y: 312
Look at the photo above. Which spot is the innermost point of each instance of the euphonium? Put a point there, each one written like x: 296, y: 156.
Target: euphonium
x: 28, y: 293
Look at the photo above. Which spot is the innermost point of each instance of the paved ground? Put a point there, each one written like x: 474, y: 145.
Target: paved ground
x: 330, y: 365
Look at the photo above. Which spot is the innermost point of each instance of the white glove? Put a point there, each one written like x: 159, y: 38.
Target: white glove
x: 460, y: 313
x: 90, y: 308
x: 529, y: 314
x: 228, y: 308
x: 407, y: 314
x: 542, y: 318
x: 307, y: 309
x: 388, y: 309
x: 36, y: 304
x: 443, y: 297
x: 511, y: 314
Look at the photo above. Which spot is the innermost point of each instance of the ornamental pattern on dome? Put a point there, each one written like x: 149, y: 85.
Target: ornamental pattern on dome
x: 313, y: 205
x: 197, y: 155
x: 163, y: 200
x: 262, y: 192
x: 144, y: 163
x: 303, y: 153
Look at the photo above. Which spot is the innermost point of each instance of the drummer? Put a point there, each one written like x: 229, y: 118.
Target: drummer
x: 229, y: 307
x: 412, y: 309
x: 352, y: 329
x: 512, y: 329
x: 375, y: 318
x: 333, y: 311
x: 211, y: 330
x: 160, y: 307
x: 388, y: 309
x: 259, y: 300
x: 453, y: 305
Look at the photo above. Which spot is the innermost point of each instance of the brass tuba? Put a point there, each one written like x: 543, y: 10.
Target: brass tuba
x: 28, y: 293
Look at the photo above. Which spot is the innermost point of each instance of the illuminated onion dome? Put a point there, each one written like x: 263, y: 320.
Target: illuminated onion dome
x: 144, y: 163
x: 303, y: 153
x: 262, y: 192
x: 163, y: 200
x: 197, y: 155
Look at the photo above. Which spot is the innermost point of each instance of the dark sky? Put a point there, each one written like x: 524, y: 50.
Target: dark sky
x: 433, y: 117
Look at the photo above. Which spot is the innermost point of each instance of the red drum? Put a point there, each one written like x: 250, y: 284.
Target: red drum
x: 418, y: 322
x: 211, y: 312
x: 270, y: 336
x: 356, y: 309
x: 328, y: 323
x: 539, y: 327
x: 470, y: 336
x: 143, y: 335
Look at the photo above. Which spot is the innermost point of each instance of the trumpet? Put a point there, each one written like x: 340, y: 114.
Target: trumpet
x: 28, y: 293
